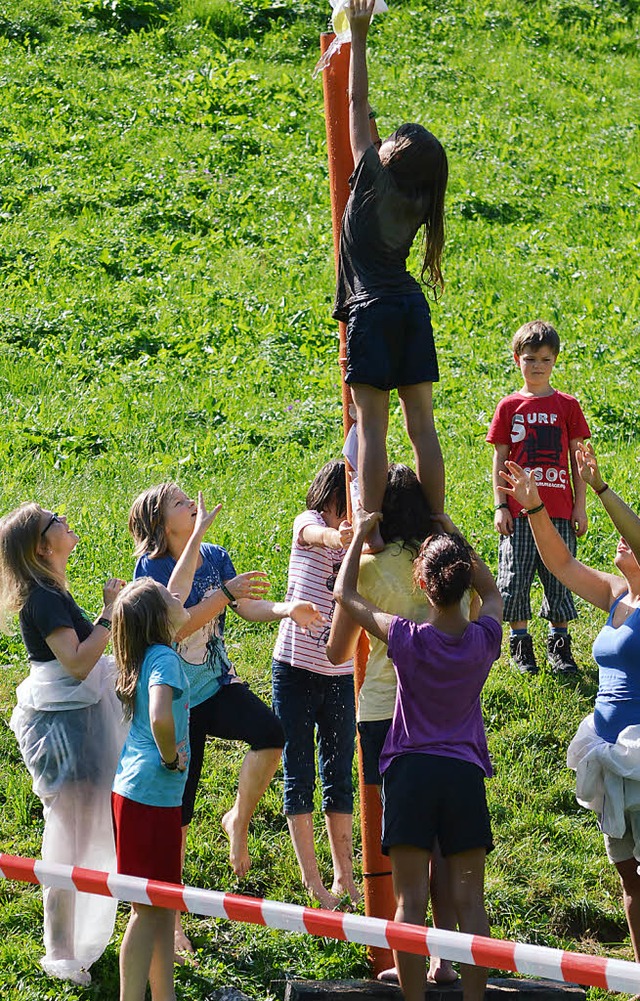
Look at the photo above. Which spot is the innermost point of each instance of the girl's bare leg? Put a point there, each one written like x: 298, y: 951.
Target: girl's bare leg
x: 301, y: 831
x: 372, y: 406
x: 161, y: 969
x: 466, y: 876
x: 410, y: 868
x: 628, y: 872
x: 181, y: 943
x: 149, y: 928
x: 441, y: 971
x: 340, y: 831
x: 258, y: 768
x: 417, y: 406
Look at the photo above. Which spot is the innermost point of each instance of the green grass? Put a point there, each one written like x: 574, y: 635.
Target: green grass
x: 167, y: 280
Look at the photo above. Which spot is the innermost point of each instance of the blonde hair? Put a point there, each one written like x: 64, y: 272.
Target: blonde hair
x: 146, y: 520
x: 21, y: 566
x: 140, y: 618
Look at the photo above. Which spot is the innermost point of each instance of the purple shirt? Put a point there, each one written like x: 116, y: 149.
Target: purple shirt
x: 440, y: 678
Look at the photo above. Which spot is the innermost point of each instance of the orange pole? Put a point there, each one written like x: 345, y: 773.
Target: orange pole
x: 379, y: 901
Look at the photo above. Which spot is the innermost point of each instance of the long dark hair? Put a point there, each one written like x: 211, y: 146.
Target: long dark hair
x: 444, y: 569
x: 329, y: 485
x: 420, y: 168
x: 406, y: 515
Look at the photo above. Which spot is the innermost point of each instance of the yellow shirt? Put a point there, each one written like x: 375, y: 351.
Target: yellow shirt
x: 386, y: 580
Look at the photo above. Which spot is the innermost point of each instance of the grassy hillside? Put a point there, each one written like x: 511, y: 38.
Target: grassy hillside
x: 167, y: 279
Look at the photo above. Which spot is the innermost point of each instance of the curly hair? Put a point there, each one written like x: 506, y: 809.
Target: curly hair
x: 444, y: 569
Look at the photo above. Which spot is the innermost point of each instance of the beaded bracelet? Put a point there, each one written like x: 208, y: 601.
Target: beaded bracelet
x: 534, y: 510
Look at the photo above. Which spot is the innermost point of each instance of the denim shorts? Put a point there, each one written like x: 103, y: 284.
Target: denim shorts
x: 307, y: 703
x: 390, y: 343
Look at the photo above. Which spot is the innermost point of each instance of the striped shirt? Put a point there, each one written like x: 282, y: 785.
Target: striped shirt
x: 312, y: 574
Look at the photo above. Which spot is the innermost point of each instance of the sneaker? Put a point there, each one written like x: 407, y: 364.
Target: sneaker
x: 522, y: 655
x: 559, y: 654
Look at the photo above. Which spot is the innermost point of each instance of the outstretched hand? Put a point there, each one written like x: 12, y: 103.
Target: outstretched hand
x: 359, y: 14
x: 204, y: 519
x: 521, y: 485
x: 588, y: 465
x: 253, y: 584
x: 306, y: 616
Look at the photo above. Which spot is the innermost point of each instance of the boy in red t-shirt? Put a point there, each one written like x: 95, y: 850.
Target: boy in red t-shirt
x: 539, y: 428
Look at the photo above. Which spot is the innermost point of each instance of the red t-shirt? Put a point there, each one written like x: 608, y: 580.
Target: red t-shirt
x: 538, y: 430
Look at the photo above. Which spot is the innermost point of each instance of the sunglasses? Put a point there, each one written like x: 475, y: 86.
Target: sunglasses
x: 54, y: 517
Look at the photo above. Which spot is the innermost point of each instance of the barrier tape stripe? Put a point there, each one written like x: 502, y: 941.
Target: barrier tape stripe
x: 517, y: 957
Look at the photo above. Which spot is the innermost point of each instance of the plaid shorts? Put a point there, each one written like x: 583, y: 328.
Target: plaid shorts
x: 518, y: 561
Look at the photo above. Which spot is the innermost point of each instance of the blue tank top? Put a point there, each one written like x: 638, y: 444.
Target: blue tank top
x: 617, y: 654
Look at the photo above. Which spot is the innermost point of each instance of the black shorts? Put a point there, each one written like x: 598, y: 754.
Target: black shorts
x: 426, y: 796
x: 390, y: 343
x: 233, y: 713
x: 372, y: 734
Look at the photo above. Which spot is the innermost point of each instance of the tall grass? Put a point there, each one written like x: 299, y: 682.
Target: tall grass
x: 167, y: 282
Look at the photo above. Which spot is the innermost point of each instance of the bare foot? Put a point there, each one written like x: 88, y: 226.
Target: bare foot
x: 320, y: 893
x: 346, y: 888
x: 441, y: 971
x: 183, y: 950
x: 238, y: 848
x: 389, y: 976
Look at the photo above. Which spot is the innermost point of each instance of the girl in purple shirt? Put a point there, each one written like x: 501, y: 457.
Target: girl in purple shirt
x: 435, y: 758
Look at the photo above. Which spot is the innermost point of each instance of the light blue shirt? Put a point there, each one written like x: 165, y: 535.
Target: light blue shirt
x: 140, y: 775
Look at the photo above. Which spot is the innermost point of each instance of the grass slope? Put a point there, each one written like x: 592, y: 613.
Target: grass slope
x: 167, y: 280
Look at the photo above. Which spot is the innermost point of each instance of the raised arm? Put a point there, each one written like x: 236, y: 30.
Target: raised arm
x: 363, y: 612
x: 625, y: 520
x: 359, y: 13
x: 78, y: 658
x: 486, y: 598
x: 181, y: 580
x: 600, y: 589
x: 579, y: 518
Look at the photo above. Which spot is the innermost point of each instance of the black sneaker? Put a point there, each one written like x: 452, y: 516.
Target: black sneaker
x: 522, y: 655
x: 559, y: 654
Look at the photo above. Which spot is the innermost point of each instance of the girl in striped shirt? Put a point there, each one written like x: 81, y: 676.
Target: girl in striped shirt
x: 311, y: 696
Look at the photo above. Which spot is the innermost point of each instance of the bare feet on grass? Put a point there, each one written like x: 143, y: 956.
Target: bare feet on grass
x: 346, y: 890
x: 183, y: 951
x: 318, y: 892
x: 238, y: 847
x: 441, y: 971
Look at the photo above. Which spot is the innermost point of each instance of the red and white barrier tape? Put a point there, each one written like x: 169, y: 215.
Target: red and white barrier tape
x: 531, y: 960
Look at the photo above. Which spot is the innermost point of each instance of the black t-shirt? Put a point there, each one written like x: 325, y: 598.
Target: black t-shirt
x: 378, y: 227
x: 47, y: 609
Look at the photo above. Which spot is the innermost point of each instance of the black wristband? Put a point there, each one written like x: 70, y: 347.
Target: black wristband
x: 496, y: 507
x: 227, y: 593
x: 171, y: 766
x: 602, y: 489
x: 534, y: 510
x: 372, y: 114
x: 106, y: 623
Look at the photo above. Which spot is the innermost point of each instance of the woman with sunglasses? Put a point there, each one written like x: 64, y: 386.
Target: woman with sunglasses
x: 68, y: 724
